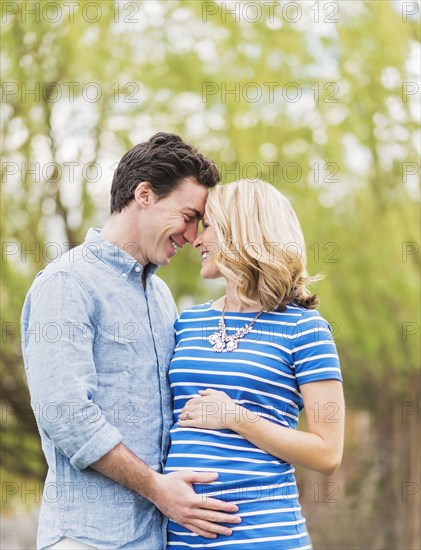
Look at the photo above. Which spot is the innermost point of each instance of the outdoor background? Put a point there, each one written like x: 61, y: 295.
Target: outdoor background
x: 321, y: 99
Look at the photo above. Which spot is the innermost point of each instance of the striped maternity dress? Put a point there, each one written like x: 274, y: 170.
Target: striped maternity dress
x: 264, y: 374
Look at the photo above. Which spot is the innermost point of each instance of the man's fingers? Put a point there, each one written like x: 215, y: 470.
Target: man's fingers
x: 218, y: 505
x: 201, y: 477
x: 215, y: 517
x: 198, y: 531
x: 209, y: 527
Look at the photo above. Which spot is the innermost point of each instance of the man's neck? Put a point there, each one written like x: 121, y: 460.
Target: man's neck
x: 115, y: 231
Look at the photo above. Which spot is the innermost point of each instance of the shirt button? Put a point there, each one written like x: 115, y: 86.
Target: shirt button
x: 124, y: 275
x: 137, y: 268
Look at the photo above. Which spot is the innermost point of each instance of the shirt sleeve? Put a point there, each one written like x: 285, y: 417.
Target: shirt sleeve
x: 314, y: 351
x: 57, y: 344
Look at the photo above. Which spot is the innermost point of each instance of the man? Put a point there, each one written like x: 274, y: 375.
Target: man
x: 97, y: 341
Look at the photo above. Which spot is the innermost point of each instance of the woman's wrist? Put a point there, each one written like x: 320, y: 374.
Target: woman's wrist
x: 241, y: 419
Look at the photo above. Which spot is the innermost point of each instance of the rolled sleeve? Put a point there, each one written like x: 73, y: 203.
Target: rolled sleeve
x: 57, y: 342
x: 98, y: 446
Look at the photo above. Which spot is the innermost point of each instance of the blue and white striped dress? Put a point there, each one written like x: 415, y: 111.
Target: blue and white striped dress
x: 264, y: 374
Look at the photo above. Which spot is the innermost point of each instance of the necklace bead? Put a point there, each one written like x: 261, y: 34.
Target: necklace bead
x: 219, y: 340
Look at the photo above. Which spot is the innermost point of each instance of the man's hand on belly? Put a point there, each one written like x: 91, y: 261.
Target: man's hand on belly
x: 174, y: 495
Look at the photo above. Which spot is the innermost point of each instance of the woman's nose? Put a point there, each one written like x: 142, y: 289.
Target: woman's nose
x: 197, y: 242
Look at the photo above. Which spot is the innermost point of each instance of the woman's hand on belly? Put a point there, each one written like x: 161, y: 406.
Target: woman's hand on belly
x: 212, y: 410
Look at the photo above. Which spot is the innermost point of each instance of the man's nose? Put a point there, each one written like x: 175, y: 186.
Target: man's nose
x: 191, y: 233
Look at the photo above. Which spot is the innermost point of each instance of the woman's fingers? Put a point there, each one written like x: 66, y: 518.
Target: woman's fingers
x: 187, y: 413
x: 193, y: 401
x: 208, y: 391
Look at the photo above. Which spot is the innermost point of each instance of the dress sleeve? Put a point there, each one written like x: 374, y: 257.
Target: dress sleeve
x: 314, y: 353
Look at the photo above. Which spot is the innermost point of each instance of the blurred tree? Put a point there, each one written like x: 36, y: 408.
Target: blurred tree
x: 320, y: 101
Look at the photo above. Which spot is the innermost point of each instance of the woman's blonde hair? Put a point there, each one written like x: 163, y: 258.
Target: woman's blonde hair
x: 260, y: 244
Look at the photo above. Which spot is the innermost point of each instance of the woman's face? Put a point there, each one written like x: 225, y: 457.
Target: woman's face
x: 208, y: 246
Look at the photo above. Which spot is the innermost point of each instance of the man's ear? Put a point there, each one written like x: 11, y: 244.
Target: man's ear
x: 143, y: 194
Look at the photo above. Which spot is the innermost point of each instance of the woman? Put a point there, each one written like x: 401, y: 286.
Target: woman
x: 246, y: 365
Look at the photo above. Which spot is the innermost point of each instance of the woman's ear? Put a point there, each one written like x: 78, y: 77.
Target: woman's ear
x: 143, y: 194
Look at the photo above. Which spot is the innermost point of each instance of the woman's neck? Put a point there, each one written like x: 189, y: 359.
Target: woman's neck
x: 232, y: 301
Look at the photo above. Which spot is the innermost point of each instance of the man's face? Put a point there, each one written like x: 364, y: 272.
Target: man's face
x: 172, y: 221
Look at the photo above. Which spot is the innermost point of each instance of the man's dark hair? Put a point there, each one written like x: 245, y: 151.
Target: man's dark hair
x: 163, y: 161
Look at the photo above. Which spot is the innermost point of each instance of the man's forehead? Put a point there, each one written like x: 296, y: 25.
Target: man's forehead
x: 192, y: 196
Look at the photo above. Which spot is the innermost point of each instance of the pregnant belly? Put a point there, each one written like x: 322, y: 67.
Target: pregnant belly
x: 241, y: 474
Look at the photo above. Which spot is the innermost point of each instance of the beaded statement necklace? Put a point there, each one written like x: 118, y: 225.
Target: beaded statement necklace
x: 220, y: 341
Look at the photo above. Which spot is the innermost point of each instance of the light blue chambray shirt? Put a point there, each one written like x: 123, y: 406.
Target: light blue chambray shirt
x: 96, y: 349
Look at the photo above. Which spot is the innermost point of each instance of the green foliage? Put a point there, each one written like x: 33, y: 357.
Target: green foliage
x: 340, y: 152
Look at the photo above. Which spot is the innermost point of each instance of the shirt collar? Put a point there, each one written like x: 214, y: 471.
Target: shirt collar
x: 114, y: 256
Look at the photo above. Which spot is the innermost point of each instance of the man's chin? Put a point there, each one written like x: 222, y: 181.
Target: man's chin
x: 171, y: 255
x: 163, y: 261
